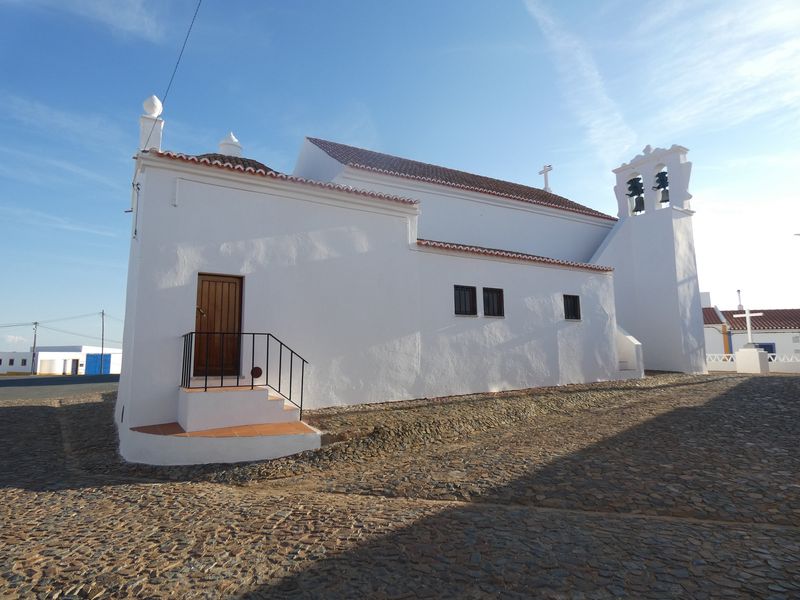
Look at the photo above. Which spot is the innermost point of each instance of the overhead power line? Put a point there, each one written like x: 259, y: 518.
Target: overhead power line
x: 83, y: 335
x: 72, y: 318
x: 175, y: 70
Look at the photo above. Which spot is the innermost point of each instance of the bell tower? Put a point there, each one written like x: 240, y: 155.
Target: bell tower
x: 652, y: 251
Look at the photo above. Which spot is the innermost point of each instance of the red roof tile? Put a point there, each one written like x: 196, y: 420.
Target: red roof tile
x: 237, y: 161
x: 464, y: 248
x: 783, y: 318
x: 710, y: 317
x: 412, y: 169
x: 250, y: 167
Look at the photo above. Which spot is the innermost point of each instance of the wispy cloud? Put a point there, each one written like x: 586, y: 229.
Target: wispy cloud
x: 16, y: 161
x: 80, y: 129
x: 36, y: 218
x: 586, y: 93
x: 712, y: 65
x: 138, y: 18
x: 14, y: 339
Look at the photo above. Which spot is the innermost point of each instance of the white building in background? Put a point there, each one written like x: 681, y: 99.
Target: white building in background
x: 62, y: 360
x: 776, y: 331
x: 364, y: 277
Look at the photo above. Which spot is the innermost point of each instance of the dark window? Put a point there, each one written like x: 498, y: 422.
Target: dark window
x: 1, y: 361
x: 10, y: 362
x: 572, y: 307
x: 465, y: 300
x: 493, y: 302
x: 24, y: 362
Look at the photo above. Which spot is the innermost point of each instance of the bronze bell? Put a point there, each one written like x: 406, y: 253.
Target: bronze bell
x: 638, y: 205
x: 664, y: 196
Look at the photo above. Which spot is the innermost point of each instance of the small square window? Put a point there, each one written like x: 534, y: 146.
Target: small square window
x: 493, y: 302
x: 465, y: 300
x: 572, y: 307
x: 24, y: 362
x: 10, y: 362
x: 1, y: 361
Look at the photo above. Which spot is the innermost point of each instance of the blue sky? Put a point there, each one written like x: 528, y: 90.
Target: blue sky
x: 497, y: 88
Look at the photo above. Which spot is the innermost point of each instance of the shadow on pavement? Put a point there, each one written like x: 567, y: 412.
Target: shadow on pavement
x: 733, y: 458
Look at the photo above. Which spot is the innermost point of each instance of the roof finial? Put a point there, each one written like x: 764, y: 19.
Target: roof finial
x: 230, y: 146
x: 152, y: 107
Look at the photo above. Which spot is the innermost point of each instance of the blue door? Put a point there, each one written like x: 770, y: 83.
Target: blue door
x: 93, y: 366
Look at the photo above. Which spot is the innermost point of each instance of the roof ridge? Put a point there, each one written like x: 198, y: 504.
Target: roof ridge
x: 469, y: 248
x: 342, y: 153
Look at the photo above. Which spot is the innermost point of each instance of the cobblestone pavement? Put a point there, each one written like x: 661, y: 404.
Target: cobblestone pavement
x: 669, y: 487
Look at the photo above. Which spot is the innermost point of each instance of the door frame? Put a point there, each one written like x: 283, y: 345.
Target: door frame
x: 232, y: 345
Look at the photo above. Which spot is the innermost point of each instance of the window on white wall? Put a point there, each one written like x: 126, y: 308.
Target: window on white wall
x: 572, y: 307
x: 24, y: 362
x: 465, y: 300
x: 10, y: 362
x: 493, y: 302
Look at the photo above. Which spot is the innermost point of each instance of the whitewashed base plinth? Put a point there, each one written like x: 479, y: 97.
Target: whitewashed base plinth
x: 752, y: 360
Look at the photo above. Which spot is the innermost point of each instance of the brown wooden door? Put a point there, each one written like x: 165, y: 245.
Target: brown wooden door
x: 218, y: 324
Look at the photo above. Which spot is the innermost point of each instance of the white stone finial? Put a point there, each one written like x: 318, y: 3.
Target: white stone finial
x: 151, y: 126
x: 230, y: 146
x: 152, y: 107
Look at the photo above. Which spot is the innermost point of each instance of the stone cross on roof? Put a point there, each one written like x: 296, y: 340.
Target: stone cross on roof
x: 545, y: 170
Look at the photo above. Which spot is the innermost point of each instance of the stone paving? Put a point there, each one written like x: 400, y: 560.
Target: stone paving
x: 669, y: 487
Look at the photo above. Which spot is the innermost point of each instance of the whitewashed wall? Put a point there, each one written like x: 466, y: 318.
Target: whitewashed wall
x: 467, y: 217
x: 712, y: 334
x: 784, y: 340
x: 17, y: 367
x: 339, y: 278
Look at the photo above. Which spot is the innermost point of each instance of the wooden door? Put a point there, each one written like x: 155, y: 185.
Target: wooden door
x: 218, y: 323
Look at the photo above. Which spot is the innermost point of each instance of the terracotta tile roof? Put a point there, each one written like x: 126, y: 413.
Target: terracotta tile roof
x: 782, y: 318
x: 249, y: 166
x: 236, y: 161
x: 412, y: 169
x: 710, y: 317
x: 464, y: 248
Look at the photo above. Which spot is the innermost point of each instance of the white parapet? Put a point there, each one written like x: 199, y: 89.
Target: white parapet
x: 752, y: 360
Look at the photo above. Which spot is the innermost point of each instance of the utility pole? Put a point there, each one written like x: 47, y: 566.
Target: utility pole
x: 33, y: 354
x: 102, y: 338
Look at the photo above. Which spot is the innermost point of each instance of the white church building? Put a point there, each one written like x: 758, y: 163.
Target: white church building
x: 363, y: 277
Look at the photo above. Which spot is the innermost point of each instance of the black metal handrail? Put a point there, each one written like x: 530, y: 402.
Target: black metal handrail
x: 214, y: 372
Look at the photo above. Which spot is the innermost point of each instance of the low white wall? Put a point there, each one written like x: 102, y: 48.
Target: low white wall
x: 629, y: 354
x: 721, y: 362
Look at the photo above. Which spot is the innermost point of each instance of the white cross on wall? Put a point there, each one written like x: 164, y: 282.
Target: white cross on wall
x: 747, y: 314
x: 545, y: 170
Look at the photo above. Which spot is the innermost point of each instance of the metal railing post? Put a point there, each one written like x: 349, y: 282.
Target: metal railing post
x: 291, y: 372
x: 302, y: 386
x: 205, y: 385
x: 252, y: 359
x: 280, y: 365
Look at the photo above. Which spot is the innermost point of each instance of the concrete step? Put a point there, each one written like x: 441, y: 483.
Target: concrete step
x: 216, y: 408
